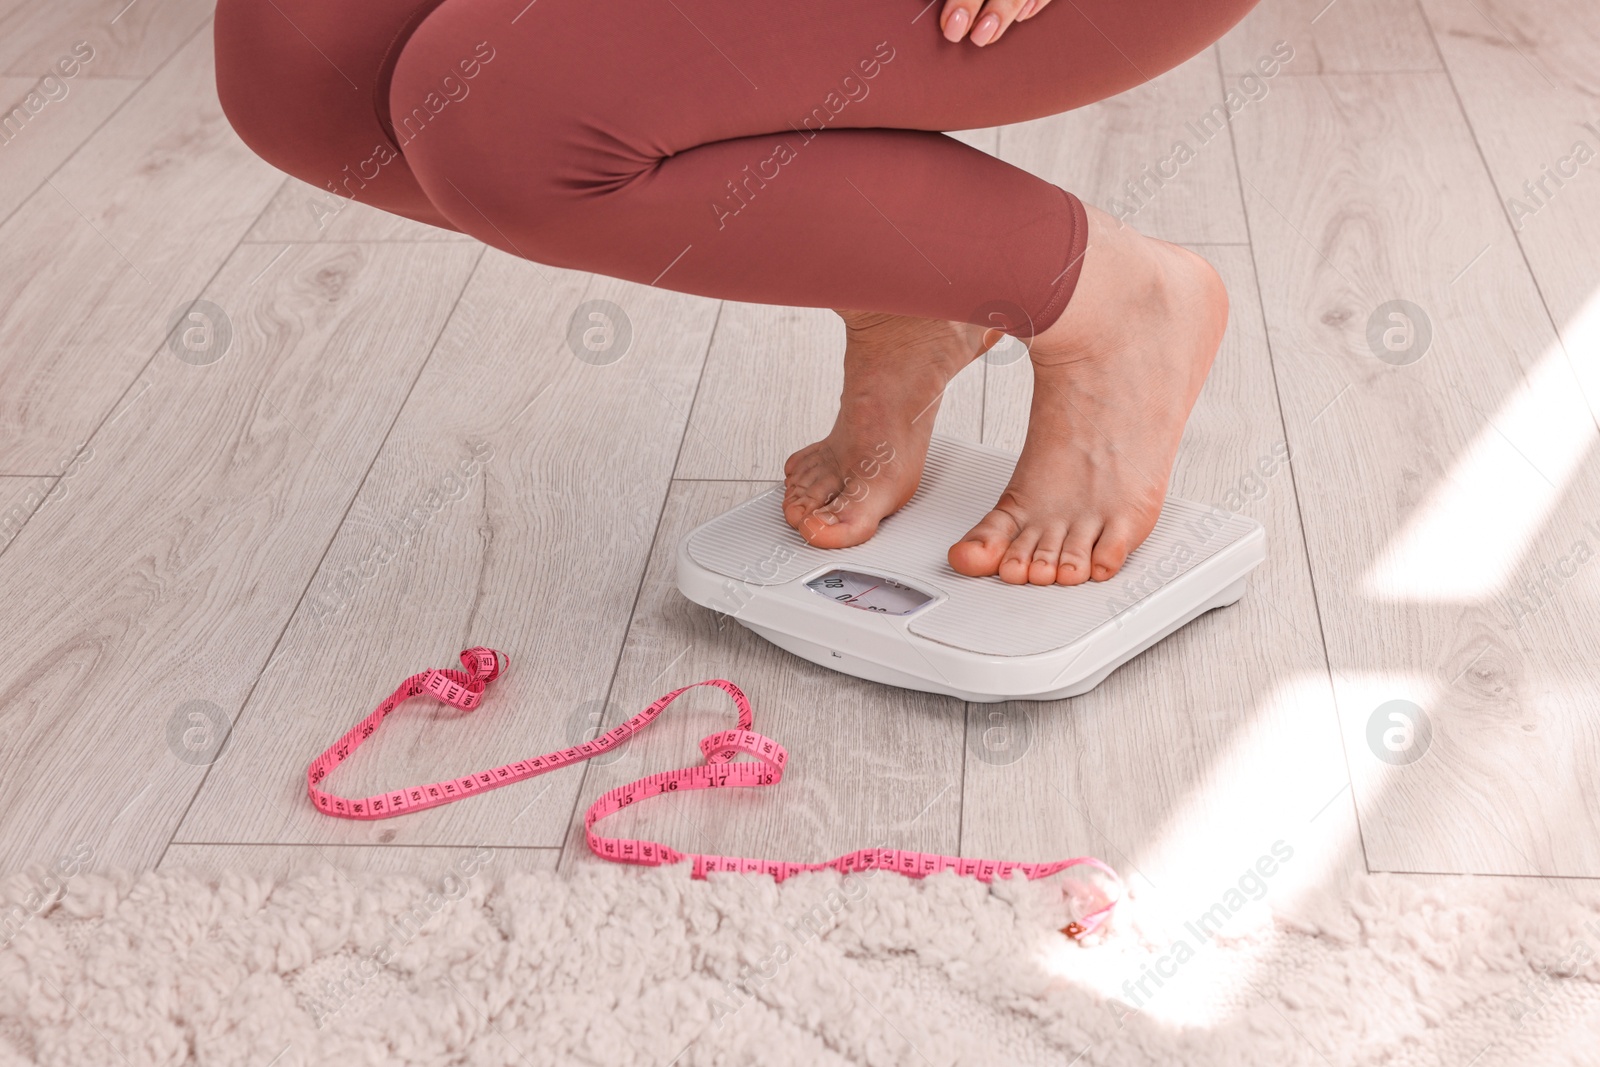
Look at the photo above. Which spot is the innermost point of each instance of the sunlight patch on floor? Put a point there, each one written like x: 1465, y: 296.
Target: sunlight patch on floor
x: 1465, y: 540
x: 1272, y: 821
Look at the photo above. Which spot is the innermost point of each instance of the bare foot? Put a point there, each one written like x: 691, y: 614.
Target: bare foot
x: 1114, y: 379
x: 895, y: 372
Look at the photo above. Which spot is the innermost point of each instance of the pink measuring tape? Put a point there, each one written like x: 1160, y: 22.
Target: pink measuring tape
x: 464, y: 689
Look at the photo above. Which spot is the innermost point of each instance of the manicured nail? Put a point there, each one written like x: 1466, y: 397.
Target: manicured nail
x: 956, y: 25
x: 986, y: 29
x: 1027, y: 10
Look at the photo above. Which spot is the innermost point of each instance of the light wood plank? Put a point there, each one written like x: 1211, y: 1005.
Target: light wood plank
x: 174, y: 569
x: 1117, y: 154
x: 96, y: 265
x: 300, y: 212
x: 540, y: 557
x: 1525, y: 75
x: 1433, y: 492
x: 129, y: 39
x: 1333, y: 36
x: 282, y: 862
x: 31, y: 149
x: 20, y: 500
x: 869, y: 765
x: 772, y: 385
x: 1189, y: 762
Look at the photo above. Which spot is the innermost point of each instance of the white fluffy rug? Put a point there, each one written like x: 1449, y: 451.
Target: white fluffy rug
x: 630, y: 966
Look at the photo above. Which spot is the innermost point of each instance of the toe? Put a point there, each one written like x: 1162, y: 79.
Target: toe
x: 837, y: 524
x: 1018, y: 559
x: 796, y: 462
x: 978, y: 554
x: 1046, y: 554
x: 803, y: 498
x: 1073, y: 568
x: 1111, y: 549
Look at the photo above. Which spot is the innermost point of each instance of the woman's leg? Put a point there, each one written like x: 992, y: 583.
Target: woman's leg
x: 304, y: 81
x: 726, y: 149
x: 775, y: 152
x: 785, y: 153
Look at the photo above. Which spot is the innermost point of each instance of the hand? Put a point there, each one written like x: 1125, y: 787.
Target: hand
x: 986, y: 25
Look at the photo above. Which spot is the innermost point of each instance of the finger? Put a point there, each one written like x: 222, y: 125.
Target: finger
x: 994, y: 19
x: 1030, y: 9
x: 957, y: 18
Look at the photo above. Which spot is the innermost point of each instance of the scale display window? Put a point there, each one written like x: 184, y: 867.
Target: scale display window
x: 869, y: 592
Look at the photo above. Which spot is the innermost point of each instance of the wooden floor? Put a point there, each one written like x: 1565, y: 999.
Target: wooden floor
x: 211, y: 569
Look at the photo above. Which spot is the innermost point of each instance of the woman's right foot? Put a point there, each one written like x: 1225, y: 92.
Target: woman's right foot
x: 896, y: 368
x: 1114, y: 380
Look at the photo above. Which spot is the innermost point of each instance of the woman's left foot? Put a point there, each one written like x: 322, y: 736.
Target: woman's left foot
x: 1114, y: 380
x: 896, y: 368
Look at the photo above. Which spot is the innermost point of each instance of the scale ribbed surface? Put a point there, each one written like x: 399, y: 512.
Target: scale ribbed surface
x: 753, y: 545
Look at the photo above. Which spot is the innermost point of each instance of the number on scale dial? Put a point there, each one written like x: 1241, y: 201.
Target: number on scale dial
x: 869, y: 592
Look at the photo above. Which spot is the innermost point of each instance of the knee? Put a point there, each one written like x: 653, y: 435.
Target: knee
x: 506, y: 152
x: 268, y: 93
x: 292, y: 106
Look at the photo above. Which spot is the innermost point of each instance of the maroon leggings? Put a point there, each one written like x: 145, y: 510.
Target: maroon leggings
x: 777, y: 152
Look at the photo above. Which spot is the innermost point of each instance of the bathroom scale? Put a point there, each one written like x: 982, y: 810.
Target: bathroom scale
x: 893, y: 611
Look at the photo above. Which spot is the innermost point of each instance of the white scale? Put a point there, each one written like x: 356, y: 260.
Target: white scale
x: 893, y: 611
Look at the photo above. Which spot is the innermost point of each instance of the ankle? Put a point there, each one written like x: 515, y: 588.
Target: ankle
x: 880, y: 346
x: 1126, y: 283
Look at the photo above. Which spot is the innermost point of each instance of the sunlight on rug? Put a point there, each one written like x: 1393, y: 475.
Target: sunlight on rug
x: 628, y: 966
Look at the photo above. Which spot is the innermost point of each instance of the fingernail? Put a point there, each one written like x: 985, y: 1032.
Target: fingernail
x: 828, y: 517
x: 1027, y: 9
x: 986, y: 29
x: 956, y: 25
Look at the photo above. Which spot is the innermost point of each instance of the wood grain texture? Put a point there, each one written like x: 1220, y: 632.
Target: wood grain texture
x: 130, y: 39
x: 1190, y: 761
x: 1435, y: 492
x: 166, y: 578
x: 1526, y: 77
x: 22, y: 497
x: 278, y: 534
x: 96, y: 264
x: 32, y: 148
x: 540, y: 557
x: 1117, y: 155
x: 772, y: 385
x: 300, y: 212
x: 1333, y: 36
x: 869, y: 764
x: 280, y: 863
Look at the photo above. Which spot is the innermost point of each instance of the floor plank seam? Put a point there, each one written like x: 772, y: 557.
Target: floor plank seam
x: 644, y: 572
x: 724, y: 481
x: 1346, y: 73
x: 312, y: 571
x: 1494, y: 874
x: 336, y: 846
x: 1294, y: 485
x: 92, y: 134
x: 1516, y: 235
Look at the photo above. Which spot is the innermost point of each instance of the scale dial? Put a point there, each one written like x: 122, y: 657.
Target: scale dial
x: 869, y: 592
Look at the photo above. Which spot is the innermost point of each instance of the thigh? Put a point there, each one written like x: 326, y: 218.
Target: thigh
x: 305, y: 85
x: 657, y: 77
